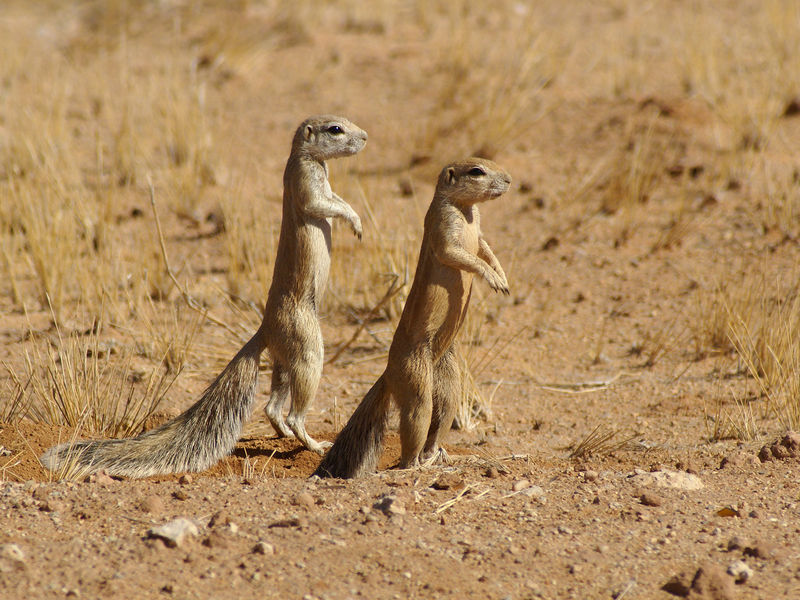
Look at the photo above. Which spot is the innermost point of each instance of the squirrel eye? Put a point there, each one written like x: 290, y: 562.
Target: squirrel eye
x: 476, y: 172
x: 335, y: 129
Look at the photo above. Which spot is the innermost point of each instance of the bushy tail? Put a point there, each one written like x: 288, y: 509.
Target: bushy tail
x: 358, y: 446
x: 193, y: 441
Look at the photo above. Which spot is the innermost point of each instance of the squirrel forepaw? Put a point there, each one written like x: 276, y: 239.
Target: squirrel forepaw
x: 355, y: 225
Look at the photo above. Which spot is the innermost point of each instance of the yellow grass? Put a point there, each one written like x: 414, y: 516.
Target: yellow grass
x: 91, y: 385
x: 97, y: 97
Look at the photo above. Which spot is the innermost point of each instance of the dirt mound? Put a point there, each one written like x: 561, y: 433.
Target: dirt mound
x: 259, y: 455
x: 23, y: 443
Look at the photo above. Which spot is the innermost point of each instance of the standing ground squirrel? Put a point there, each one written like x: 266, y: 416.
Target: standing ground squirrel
x: 422, y: 373
x: 208, y: 430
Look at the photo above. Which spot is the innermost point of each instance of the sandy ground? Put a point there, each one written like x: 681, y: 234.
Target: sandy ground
x: 597, y: 336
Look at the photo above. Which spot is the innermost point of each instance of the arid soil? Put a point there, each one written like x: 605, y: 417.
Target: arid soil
x: 604, y: 464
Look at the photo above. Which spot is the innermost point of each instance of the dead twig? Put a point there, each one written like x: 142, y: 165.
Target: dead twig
x: 191, y: 302
x: 453, y: 501
x: 582, y: 387
x: 394, y: 289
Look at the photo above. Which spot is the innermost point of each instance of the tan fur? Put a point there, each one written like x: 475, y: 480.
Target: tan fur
x: 209, y: 429
x: 422, y: 374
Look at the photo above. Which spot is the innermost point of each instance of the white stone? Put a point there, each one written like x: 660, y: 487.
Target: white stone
x: 174, y: 532
x: 671, y: 479
x: 740, y: 571
x: 12, y: 551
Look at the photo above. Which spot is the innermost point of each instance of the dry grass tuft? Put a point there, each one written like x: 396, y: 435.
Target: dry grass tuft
x: 739, y: 422
x: 757, y: 316
x: 83, y: 382
x: 97, y: 96
x: 601, y: 440
x: 634, y: 172
x: 766, y: 339
x: 488, y: 85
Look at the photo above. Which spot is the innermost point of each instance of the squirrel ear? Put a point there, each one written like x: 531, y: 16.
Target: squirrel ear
x: 451, y: 175
x: 308, y: 132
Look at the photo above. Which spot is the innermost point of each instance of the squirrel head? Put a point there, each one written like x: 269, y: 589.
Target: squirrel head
x: 328, y: 136
x: 472, y: 180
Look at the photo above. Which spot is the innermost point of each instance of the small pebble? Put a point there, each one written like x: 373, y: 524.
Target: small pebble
x: 219, y: 518
x: 649, y: 499
x: 448, y: 481
x: 390, y: 506
x: 760, y: 549
x: 304, y: 499
x: 52, y: 506
x: 100, y: 477
x: 734, y: 544
x: 12, y: 551
x: 520, y: 485
x: 534, y: 491
x: 294, y: 522
x: 152, y: 504
x: 174, y: 533
x: 264, y: 548
x: 710, y: 581
x: 740, y: 571
x: 217, y: 539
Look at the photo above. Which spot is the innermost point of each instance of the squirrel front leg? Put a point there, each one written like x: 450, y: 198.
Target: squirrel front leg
x: 333, y: 206
x: 353, y: 219
x: 485, y: 252
x: 455, y: 256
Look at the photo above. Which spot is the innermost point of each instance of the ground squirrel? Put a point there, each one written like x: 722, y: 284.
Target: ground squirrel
x: 209, y: 429
x: 422, y: 373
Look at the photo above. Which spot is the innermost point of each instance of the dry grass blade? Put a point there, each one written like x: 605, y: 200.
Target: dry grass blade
x: 15, y: 404
x: 394, y: 288
x: 472, y: 403
x: 266, y: 464
x: 584, y: 387
x: 171, y: 343
x: 71, y: 469
x: 488, y: 92
x: 7, y: 469
x: 460, y: 496
x: 654, y: 346
x: 248, y: 469
x: 601, y: 440
x: 773, y: 360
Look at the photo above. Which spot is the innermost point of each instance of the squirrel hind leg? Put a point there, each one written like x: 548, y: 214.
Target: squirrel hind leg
x: 304, y: 376
x: 414, y: 396
x: 279, y: 393
x: 446, y: 396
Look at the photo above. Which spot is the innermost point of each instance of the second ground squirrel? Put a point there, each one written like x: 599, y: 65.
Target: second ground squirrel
x: 422, y: 373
